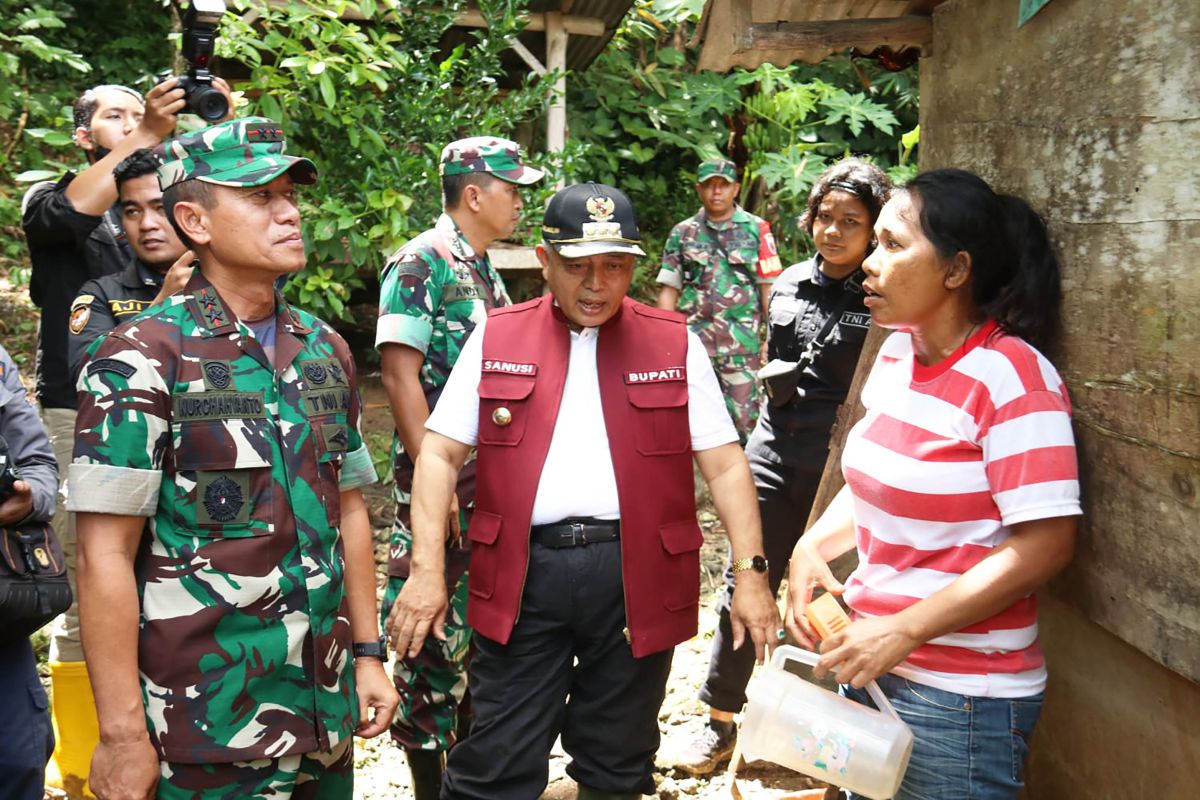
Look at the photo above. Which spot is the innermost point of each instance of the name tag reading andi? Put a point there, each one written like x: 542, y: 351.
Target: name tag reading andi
x: 657, y: 375
x: 509, y: 367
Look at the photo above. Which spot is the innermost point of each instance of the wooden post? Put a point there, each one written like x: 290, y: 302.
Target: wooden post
x: 556, y: 60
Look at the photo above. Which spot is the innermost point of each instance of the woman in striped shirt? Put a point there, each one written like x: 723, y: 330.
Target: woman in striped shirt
x: 962, y: 493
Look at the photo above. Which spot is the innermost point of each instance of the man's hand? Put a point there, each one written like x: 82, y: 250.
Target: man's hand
x: 864, y: 651
x: 420, y: 608
x: 754, y: 610
x: 806, y: 570
x: 124, y: 770
x: 163, y: 104
x: 18, y: 506
x: 177, y: 277
x: 375, y: 692
x: 221, y: 86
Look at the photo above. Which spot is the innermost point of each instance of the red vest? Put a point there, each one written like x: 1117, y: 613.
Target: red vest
x: 641, y: 359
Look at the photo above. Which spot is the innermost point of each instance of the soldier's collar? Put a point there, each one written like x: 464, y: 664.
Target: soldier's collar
x: 287, y: 317
x: 457, y: 242
x: 723, y: 224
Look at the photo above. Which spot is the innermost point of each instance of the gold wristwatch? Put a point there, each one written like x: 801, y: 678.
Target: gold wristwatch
x: 756, y: 563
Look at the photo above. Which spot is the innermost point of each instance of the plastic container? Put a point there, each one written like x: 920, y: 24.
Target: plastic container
x: 799, y: 725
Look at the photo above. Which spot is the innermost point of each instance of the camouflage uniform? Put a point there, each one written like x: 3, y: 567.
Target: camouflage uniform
x: 717, y: 267
x: 239, y: 464
x: 433, y: 293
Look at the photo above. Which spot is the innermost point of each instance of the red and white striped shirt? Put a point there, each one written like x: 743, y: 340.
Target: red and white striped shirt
x: 946, y: 460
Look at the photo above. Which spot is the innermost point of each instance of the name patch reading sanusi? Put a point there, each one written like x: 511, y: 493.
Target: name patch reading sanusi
x: 509, y: 367
x: 656, y: 375
x: 218, y: 405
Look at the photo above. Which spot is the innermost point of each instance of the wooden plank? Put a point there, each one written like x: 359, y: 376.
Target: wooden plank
x: 865, y: 34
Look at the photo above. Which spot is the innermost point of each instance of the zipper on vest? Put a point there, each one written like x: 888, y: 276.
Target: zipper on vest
x: 625, y: 594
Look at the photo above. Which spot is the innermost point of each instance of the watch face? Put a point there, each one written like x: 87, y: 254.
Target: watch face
x: 759, y: 564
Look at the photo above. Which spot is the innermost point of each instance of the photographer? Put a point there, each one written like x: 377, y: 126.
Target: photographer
x: 74, y: 233
x: 25, y: 735
x: 160, y: 268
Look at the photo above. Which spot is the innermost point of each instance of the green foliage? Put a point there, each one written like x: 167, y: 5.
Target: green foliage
x: 371, y: 102
x: 642, y: 119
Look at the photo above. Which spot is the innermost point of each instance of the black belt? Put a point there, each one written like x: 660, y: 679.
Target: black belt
x: 576, y: 532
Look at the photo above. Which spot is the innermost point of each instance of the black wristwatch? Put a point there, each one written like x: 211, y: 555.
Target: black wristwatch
x: 376, y: 649
x: 756, y: 563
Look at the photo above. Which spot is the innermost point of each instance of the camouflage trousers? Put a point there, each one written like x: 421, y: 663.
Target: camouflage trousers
x: 431, y: 685
x: 736, y: 374
x: 311, y: 776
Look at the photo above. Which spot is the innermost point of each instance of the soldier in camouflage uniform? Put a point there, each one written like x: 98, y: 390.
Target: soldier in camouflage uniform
x: 434, y: 291
x: 718, y: 267
x: 231, y: 421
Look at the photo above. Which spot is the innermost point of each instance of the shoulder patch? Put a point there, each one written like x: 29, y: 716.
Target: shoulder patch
x: 79, y: 318
x: 83, y: 300
x: 110, y: 365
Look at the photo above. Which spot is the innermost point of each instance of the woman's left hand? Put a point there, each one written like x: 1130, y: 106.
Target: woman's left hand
x: 864, y: 651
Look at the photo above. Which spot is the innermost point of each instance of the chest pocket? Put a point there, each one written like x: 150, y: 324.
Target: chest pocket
x: 223, y: 478
x: 504, y: 408
x: 660, y: 410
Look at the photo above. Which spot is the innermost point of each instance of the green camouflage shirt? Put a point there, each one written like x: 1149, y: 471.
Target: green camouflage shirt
x: 244, y: 641
x: 433, y: 293
x: 716, y: 266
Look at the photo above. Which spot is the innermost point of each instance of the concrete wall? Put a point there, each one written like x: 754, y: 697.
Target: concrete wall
x: 1090, y: 111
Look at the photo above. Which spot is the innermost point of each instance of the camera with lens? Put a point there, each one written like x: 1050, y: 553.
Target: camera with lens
x: 8, y: 472
x: 199, y: 35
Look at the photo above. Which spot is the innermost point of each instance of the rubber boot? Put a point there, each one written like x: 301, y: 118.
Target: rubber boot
x: 76, y: 731
x: 426, y: 767
x: 588, y: 793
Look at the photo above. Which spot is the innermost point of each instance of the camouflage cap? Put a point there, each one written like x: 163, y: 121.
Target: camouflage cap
x: 500, y: 157
x: 247, y: 151
x: 717, y: 168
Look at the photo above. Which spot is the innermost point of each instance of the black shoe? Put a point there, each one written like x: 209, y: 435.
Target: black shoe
x: 713, y: 746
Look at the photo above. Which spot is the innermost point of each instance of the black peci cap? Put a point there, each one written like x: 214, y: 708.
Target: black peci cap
x: 588, y: 219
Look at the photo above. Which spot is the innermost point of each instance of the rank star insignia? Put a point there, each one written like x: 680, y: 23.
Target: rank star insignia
x: 223, y: 499
x: 601, y: 209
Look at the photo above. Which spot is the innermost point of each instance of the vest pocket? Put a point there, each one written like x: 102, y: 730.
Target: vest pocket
x: 661, y: 417
x: 223, y: 486
x: 483, y: 531
x: 503, y: 408
x: 681, y: 542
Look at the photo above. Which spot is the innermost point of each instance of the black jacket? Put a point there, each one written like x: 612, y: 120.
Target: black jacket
x: 66, y: 248
x: 104, y: 303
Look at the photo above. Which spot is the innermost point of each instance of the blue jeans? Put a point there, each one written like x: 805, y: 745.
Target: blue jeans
x: 966, y: 748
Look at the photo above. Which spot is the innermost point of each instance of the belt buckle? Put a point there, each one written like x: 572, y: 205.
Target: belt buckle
x: 578, y: 533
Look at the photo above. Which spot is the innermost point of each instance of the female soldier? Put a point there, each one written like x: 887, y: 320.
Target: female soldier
x: 962, y: 492
x: 817, y: 326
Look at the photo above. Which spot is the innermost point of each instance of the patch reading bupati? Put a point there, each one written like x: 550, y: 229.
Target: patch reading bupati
x: 223, y: 498
x: 217, y: 374
x: 859, y: 319
x: 509, y: 367
x: 657, y: 375
x: 113, y: 365
x: 315, y: 372
x: 217, y: 405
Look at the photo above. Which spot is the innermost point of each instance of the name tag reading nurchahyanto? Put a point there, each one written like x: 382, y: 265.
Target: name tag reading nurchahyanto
x: 656, y: 375
x: 217, y: 405
x: 509, y: 367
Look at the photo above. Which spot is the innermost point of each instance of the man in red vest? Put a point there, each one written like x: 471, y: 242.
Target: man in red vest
x: 586, y: 409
